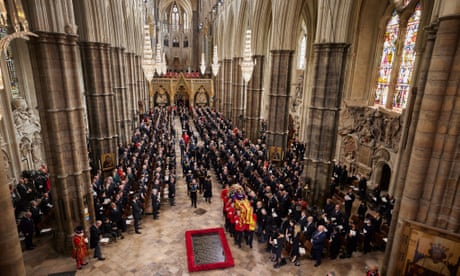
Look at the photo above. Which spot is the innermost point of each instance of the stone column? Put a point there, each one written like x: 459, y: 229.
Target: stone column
x: 433, y: 129
x: 237, y: 93
x: 96, y: 63
x: 135, y: 89
x: 431, y: 191
x: 11, y: 261
x: 227, y: 88
x: 130, y: 91
x: 413, y: 108
x: 119, y: 89
x: 221, y: 88
x: 254, y: 100
x: 141, y: 99
x: 329, y: 63
x: 55, y: 61
x: 278, y: 113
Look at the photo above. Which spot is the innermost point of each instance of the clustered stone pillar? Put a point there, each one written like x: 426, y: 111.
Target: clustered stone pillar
x: 227, y: 88
x: 135, y: 90
x: 237, y: 93
x: 414, y: 104
x: 254, y: 96
x: 431, y: 195
x: 141, y: 103
x: 59, y: 96
x: 119, y: 89
x: 278, y: 114
x: 219, y: 100
x: 130, y: 90
x: 11, y: 260
x: 96, y: 63
x: 326, y: 96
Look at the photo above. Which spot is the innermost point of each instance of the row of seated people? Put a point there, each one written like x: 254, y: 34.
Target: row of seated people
x: 146, y: 166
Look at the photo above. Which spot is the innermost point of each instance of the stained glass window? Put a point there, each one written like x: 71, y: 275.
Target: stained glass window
x: 175, y: 18
x: 387, y: 59
x: 408, y: 59
x: 406, y: 65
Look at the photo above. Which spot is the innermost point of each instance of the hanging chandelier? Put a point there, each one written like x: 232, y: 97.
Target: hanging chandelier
x: 202, y: 64
x: 148, y: 64
x: 158, y: 59
x: 215, y: 62
x: 247, y: 65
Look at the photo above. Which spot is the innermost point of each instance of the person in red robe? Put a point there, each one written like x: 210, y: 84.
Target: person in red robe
x: 239, y: 228
x: 80, y: 251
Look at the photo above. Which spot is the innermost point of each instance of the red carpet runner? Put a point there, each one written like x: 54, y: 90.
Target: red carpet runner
x: 207, y: 249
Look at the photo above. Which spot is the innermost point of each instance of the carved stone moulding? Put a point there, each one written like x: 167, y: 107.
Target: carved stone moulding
x: 373, y: 126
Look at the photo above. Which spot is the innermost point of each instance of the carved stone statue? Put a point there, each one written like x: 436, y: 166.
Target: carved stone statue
x: 27, y: 128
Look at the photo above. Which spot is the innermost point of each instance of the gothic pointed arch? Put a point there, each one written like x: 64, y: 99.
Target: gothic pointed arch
x: 228, y: 33
x: 285, y: 17
x: 242, y: 12
x: 260, y: 26
x: 183, y: 4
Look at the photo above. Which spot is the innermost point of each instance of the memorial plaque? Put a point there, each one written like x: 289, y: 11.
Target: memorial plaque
x: 207, y: 249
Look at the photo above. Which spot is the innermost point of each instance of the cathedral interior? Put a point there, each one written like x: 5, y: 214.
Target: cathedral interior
x: 368, y: 89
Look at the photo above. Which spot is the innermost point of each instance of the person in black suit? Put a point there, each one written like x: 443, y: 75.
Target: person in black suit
x: 95, y: 235
x: 137, y: 211
x: 337, y: 217
x: 36, y: 216
x: 155, y: 198
x: 193, y: 192
x: 317, y: 244
x: 207, y: 188
x: 172, y: 190
x: 118, y: 222
x: 309, y: 228
x: 27, y: 228
x: 349, y: 198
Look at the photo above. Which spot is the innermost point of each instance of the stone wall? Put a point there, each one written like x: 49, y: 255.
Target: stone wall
x: 369, y: 138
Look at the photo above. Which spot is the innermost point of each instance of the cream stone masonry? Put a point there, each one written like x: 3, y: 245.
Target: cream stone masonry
x: 227, y: 100
x: 254, y: 96
x: 61, y: 109
x: 237, y: 93
x: 277, y: 128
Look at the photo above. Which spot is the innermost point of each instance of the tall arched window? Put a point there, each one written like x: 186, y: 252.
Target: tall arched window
x: 175, y: 42
x: 185, y: 42
x: 185, y: 22
x: 302, y: 52
x: 165, y: 22
x: 393, y: 83
x: 175, y: 18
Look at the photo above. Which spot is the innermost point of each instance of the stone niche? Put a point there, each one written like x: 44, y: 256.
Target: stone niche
x: 366, y: 133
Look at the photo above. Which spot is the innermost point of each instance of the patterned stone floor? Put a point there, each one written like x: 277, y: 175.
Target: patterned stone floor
x: 160, y: 249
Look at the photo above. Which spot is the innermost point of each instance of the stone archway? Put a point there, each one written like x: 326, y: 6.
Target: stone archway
x: 382, y: 175
x: 385, y: 177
